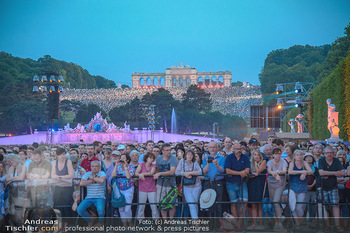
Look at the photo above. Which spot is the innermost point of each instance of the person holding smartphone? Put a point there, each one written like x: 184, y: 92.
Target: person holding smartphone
x: 126, y: 186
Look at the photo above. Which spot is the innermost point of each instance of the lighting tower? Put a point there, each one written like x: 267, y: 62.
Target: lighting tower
x: 151, y: 120
x: 51, y: 88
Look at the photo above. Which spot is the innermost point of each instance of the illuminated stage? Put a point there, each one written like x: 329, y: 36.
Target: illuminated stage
x: 99, y: 130
x: 136, y: 135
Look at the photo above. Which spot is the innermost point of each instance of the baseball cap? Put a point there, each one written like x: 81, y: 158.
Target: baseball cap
x: 253, y: 140
x: 121, y: 147
x: 115, y: 152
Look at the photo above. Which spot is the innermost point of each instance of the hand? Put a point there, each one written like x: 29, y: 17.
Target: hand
x: 342, y: 172
x: 243, y: 174
x: 215, y: 162
x: 91, y: 177
x: 142, y: 177
x: 255, y: 174
x: 205, y: 156
x: 74, y: 206
x: 302, y: 177
x: 156, y: 176
x: 278, y: 178
x: 35, y: 176
x: 125, y: 166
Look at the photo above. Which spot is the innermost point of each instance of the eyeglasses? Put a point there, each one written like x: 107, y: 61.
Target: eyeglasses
x: 328, y: 153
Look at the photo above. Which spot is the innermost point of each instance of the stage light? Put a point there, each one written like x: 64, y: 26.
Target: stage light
x: 298, y: 88
x: 279, y: 89
x: 60, y: 79
x: 52, y: 78
x: 43, y: 79
x: 36, y: 78
x: 280, y: 103
x: 35, y: 89
x: 298, y: 102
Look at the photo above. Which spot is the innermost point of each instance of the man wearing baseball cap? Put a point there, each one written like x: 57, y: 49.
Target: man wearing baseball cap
x: 122, y: 149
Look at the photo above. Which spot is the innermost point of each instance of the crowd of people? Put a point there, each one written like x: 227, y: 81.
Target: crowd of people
x: 141, y: 172
x: 227, y: 100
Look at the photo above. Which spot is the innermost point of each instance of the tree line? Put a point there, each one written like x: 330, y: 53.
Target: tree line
x: 20, y: 109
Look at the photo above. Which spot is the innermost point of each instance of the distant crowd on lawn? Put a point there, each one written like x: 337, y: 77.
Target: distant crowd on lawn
x: 227, y: 100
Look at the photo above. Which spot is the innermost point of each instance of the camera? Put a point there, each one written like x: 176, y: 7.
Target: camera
x: 210, y: 159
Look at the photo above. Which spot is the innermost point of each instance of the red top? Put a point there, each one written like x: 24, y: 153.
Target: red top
x: 86, y: 163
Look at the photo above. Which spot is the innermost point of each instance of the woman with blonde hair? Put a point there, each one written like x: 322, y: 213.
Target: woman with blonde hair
x: 256, y: 185
x: 298, y: 170
x: 16, y: 171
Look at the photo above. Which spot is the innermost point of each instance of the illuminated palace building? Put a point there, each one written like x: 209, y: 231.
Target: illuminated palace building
x: 181, y: 76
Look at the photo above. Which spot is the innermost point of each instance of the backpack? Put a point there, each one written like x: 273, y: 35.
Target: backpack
x: 168, y: 202
x: 117, y: 198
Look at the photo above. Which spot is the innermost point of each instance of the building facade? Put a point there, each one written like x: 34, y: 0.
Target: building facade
x: 181, y: 76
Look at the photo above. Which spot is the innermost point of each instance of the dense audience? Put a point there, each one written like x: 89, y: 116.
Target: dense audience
x: 139, y: 172
x: 227, y: 100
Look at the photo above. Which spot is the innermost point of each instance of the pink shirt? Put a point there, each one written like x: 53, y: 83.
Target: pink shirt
x: 148, y: 185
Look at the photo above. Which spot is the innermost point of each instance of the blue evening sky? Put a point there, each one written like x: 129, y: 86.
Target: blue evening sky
x: 115, y: 38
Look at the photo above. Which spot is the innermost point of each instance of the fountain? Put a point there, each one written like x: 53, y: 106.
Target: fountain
x: 173, y: 122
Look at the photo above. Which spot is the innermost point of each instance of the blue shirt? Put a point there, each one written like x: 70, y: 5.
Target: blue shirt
x: 236, y: 165
x: 27, y: 163
x: 141, y: 158
x: 213, y: 170
x: 284, y: 155
x: 95, y: 190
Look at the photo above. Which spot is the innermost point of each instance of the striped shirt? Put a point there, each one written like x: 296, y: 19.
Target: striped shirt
x: 95, y: 190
